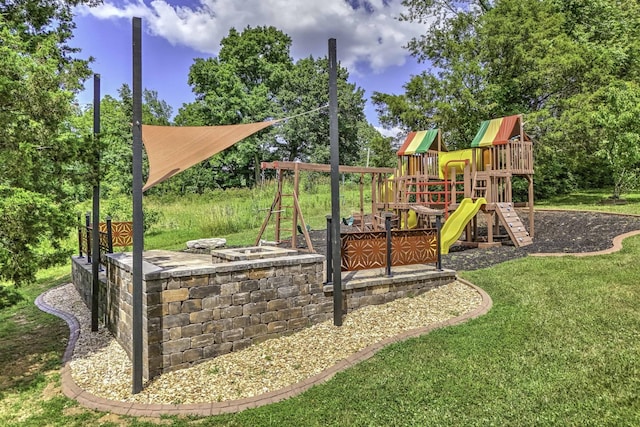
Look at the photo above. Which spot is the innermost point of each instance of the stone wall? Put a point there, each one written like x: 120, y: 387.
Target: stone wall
x: 81, y: 276
x: 196, y: 311
x: 190, y: 315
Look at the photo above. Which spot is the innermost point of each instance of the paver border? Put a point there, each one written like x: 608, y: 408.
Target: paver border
x: 617, y: 241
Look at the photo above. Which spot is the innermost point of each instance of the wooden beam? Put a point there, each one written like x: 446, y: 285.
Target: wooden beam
x: 319, y: 167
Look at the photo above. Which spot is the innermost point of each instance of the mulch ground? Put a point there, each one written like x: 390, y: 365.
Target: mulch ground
x: 555, y: 232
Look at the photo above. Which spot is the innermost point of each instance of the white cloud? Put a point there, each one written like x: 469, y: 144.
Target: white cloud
x: 396, y: 133
x: 365, y: 35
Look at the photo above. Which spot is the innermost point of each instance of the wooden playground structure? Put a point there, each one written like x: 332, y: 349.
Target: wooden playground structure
x: 431, y: 181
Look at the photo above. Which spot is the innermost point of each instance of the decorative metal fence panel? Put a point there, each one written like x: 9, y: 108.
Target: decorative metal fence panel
x: 121, y: 236
x: 365, y: 250
x: 121, y: 232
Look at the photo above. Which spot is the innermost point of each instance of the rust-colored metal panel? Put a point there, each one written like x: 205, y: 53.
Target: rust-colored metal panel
x: 121, y: 232
x: 365, y: 250
x: 414, y: 247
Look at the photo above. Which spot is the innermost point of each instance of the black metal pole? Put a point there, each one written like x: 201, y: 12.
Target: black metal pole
x: 438, y: 229
x: 109, y: 236
x: 335, y: 183
x: 80, y: 237
x: 138, y: 231
x: 95, y: 231
x: 87, y: 225
x: 329, y: 253
x: 387, y: 227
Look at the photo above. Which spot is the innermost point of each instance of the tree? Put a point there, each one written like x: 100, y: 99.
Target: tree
x: 253, y: 79
x: 39, y: 77
x: 238, y: 87
x: 380, y: 152
x: 306, y: 137
x: 449, y: 95
x: 617, y: 130
x: 115, y: 135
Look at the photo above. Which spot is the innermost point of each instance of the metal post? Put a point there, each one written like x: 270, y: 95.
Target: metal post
x: 335, y: 183
x: 138, y: 231
x: 95, y: 231
x: 387, y: 227
x: 438, y: 229
x: 329, y: 253
x: 109, y: 236
x: 87, y: 225
x: 80, y: 236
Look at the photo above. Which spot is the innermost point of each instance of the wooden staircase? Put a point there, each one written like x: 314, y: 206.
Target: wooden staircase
x: 511, y: 221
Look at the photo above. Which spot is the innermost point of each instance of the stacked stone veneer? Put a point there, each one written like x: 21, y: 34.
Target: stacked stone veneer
x: 197, y: 312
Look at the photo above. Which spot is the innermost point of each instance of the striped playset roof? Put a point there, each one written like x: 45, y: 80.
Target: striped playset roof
x: 418, y: 142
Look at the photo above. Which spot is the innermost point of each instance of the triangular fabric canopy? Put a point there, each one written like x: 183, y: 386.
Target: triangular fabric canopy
x: 419, y: 142
x: 172, y: 149
x: 497, y: 131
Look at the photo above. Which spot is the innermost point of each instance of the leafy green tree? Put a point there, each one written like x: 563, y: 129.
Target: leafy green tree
x: 115, y: 138
x: 617, y: 130
x: 253, y: 79
x: 450, y: 94
x: 306, y: 137
x: 41, y: 160
x: 236, y: 87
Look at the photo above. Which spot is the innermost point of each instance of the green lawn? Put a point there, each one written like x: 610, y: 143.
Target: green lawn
x: 561, y: 346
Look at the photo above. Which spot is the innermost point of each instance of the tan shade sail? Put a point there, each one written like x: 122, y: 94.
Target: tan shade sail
x: 172, y: 149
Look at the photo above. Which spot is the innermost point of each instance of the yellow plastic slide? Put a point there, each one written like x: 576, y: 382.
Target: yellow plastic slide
x: 453, y: 227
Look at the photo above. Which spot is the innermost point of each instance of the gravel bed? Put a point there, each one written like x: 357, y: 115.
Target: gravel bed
x: 100, y: 366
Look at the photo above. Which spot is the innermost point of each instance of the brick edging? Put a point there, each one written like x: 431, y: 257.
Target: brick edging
x: 617, y: 245
x: 88, y: 400
x: 617, y: 241
x: 72, y: 322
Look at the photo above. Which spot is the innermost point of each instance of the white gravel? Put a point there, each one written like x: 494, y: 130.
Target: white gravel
x: 101, y: 367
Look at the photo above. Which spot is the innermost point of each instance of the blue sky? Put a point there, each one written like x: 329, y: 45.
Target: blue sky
x: 370, y: 39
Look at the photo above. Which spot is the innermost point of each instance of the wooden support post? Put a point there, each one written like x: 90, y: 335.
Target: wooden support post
x: 265, y: 223
x: 489, y: 219
x: 279, y: 206
x: 294, y: 225
x: 467, y: 180
x: 531, y: 213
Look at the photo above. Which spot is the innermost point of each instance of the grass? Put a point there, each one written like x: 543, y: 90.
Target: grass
x: 594, y: 200
x: 237, y: 214
x: 561, y: 346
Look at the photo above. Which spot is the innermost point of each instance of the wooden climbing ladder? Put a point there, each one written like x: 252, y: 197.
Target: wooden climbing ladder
x: 278, y: 209
x: 511, y: 221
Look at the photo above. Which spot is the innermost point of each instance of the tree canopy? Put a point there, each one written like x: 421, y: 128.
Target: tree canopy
x: 41, y: 157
